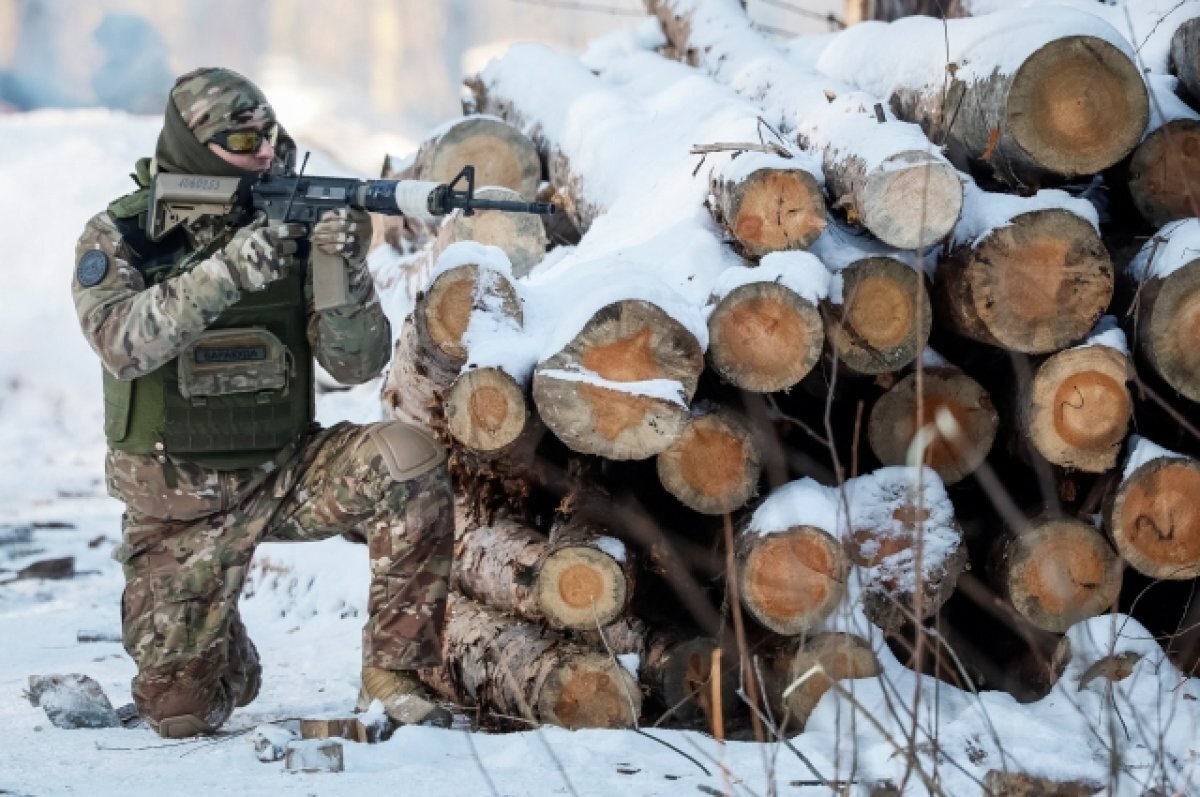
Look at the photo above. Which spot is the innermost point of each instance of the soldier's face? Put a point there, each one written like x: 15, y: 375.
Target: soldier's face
x: 258, y: 162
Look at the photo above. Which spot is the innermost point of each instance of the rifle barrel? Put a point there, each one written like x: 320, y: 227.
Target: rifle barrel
x: 513, y: 207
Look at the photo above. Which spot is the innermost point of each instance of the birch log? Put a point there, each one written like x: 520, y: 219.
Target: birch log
x: 585, y: 578
x: 496, y: 563
x: 883, y: 173
x: 486, y: 410
x: 521, y: 670
x: 1076, y: 410
x: 1167, y: 274
x: 1025, y: 274
x: 953, y: 446
x: 1153, y: 517
x: 1032, y: 96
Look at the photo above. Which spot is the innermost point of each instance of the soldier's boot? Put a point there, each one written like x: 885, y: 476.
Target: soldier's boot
x: 184, y: 727
x: 404, y: 697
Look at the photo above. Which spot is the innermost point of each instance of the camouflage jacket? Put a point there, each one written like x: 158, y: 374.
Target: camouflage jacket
x: 135, y: 330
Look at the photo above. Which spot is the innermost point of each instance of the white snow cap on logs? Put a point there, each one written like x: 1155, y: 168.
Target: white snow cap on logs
x: 985, y: 212
x: 1165, y: 105
x: 978, y: 46
x: 1176, y: 244
x: 804, y: 502
x: 1142, y: 451
x: 800, y: 272
x: 1148, y: 25
x: 1107, y: 333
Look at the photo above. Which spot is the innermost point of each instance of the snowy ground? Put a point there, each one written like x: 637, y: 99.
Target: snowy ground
x: 304, y: 605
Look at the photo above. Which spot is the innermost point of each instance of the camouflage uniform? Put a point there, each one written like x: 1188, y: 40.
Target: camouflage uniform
x: 190, y: 531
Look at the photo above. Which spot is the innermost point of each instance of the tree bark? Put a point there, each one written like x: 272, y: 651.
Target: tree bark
x: 898, y: 417
x: 999, y: 783
x: 621, y: 387
x: 497, y: 563
x: 520, y: 670
x: 1153, y: 516
x: 1030, y: 103
x: 1058, y: 571
x: 1034, y: 285
x: 884, y: 174
x: 1076, y: 410
x: 714, y: 465
x: 764, y: 337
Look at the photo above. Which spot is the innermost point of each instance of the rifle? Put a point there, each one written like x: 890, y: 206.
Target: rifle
x: 180, y: 198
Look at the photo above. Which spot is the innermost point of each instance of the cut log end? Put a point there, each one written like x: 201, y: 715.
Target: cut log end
x: 521, y: 236
x: 793, y: 579
x: 954, y: 446
x: 1185, y: 58
x: 1155, y: 519
x: 486, y: 409
x: 589, y: 690
x: 764, y: 337
x: 1036, y: 285
x: 581, y: 588
x: 774, y: 210
x: 1080, y: 409
x: 912, y: 200
x: 1164, y: 173
x: 626, y: 342
x: 445, y: 311
x: 680, y: 673
x: 714, y: 465
x: 1077, y: 106
x: 1173, y: 329
x: 885, y: 319
x: 1059, y: 572
x: 838, y: 656
x: 501, y: 154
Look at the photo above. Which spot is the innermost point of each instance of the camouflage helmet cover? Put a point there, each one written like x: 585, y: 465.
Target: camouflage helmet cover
x: 212, y: 100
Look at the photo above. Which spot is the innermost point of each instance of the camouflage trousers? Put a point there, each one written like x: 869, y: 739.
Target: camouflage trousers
x: 184, y: 575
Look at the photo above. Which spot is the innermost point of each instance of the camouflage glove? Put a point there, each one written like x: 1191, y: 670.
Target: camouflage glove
x: 259, y: 255
x: 345, y: 232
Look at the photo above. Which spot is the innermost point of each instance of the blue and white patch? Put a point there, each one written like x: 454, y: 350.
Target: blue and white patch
x: 91, y: 268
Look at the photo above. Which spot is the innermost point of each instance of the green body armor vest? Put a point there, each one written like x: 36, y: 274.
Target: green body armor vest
x: 239, y: 394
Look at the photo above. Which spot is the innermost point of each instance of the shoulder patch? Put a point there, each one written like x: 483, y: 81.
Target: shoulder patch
x: 91, y: 268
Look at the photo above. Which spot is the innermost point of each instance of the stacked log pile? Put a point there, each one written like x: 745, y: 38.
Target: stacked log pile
x: 846, y: 344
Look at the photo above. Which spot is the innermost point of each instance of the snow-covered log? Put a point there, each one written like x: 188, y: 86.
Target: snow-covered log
x: 799, y: 674
x: 951, y: 430
x: 714, y: 465
x: 621, y: 387
x: 1164, y: 170
x: 766, y: 201
x: 501, y: 154
x: 765, y: 331
x: 791, y: 566
x: 1167, y: 274
x: 1033, y: 96
x: 517, y: 669
x: 1185, y: 53
x: 1076, y: 410
x: 878, y: 314
x: 905, y: 540
x: 1153, y: 517
x: 883, y: 173
x: 1058, y: 571
x: 1025, y: 274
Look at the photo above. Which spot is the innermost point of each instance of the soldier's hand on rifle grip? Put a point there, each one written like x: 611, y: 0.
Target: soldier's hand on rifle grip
x: 345, y: 232
x: 258, y: 255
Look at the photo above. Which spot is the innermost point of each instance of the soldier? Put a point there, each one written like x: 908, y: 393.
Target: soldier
x: 207, y: 338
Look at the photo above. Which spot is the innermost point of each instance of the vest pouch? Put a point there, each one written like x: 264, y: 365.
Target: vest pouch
x: 118, y: 399
x: 225, y: 362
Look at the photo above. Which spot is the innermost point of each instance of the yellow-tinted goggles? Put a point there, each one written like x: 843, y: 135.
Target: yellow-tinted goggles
x: 245, y: 142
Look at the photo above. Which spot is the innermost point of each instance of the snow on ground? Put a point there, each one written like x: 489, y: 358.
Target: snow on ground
x: 304, y: 604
